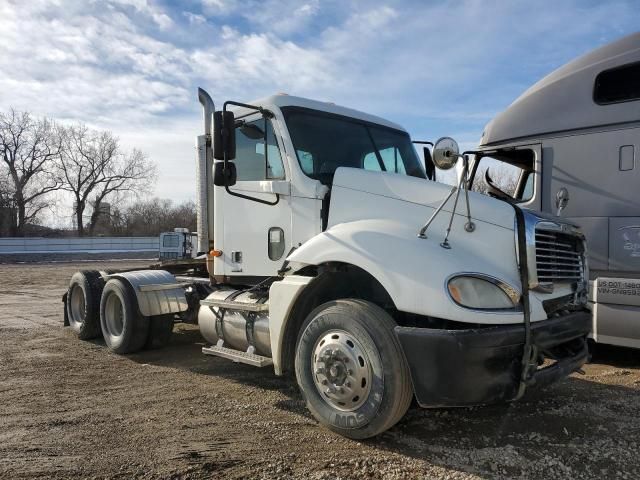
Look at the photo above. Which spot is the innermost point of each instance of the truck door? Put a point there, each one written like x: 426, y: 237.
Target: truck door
x: 255, y: 237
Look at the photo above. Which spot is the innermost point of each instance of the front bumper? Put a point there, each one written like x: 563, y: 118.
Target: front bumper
x: 484, y: 365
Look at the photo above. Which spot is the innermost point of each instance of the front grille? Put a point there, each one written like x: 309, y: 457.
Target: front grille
x: 559, y: 257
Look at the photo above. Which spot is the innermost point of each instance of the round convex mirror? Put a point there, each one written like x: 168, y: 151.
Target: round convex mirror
x: 445, y: 153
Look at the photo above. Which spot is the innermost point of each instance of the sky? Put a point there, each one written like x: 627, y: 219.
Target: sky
x: 435, y: 67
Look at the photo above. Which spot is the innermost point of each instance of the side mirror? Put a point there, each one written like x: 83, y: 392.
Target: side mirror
x: 446, y: 153
x: 429, y: 166
x: 224, y: 177
x: 224, y: 135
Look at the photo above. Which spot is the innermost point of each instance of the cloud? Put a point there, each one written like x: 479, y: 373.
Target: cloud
x: 282, y: 17
x: 96, y: 66
x: 194, y: 18
x: 143, y: 6
x: 132, y: 66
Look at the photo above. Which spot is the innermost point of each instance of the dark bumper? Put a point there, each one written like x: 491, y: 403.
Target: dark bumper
x: 483, y: 366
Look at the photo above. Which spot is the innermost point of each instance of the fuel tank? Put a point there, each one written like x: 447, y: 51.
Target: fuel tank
x: 239, y: 329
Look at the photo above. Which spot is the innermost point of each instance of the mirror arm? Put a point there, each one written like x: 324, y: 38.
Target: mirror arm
x: 462, y: 184
x: 449, y: 153
x: 266, y: 113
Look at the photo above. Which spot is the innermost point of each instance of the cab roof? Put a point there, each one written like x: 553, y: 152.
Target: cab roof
x: 563, y: 100
x: 283, y: 100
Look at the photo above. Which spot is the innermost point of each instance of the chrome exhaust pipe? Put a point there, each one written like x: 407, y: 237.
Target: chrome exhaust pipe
x: 207, y: 109
x: 204, y: 183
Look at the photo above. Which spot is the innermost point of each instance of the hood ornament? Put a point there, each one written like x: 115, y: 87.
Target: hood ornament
x: 445, y: 156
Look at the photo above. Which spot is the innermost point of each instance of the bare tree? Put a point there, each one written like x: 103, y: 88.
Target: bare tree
x: 132, y: 173
x: 153, y: 216
x: 6, y: 192
x: 7, y: 209
x: 92, y: 167
x: 29, y: 148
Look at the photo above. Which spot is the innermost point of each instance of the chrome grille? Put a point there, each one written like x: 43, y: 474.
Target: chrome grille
x: 559, y: 257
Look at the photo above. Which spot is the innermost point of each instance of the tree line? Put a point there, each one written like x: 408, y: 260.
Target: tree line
x: 41, y: 158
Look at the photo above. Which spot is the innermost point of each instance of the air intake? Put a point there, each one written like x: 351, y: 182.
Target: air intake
x: 559, y: 257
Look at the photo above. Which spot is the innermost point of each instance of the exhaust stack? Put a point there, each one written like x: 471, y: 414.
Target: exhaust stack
x: 204, y: 168
x: 207, y: 109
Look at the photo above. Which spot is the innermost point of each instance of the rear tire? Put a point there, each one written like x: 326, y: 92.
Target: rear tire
x: 82, y: 306
x: 160, y: 330
x: 351, y: 369
x: 124, y: 328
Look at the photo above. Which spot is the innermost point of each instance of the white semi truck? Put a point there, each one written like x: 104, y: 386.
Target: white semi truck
x: 572, y: 142
x: 330, y: 255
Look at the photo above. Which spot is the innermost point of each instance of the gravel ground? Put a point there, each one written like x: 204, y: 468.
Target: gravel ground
x: 72, y: 409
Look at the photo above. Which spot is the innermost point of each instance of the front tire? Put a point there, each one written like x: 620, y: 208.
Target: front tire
x: 351, y: 369
x: 124, y: 328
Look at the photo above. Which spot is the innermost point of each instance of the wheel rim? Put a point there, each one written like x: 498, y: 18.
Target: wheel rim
x: 114, y: 315
x: 341, y: 370
x: 77, y: 305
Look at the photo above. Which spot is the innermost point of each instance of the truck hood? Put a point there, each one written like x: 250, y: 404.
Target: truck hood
x: 422, y: 192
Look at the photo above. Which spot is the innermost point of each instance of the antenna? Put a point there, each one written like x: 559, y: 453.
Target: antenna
x: 445, y: 156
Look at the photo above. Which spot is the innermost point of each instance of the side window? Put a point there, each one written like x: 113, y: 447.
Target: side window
x: 391, y: 158
x: 620, y: 84
x: 527, y: 191
x: 306, y: 161
x: 255, y: 159
x: 505, y: 176
x: 170, y: 241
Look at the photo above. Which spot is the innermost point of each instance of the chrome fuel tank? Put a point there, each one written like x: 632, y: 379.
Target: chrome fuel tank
x: 239, y: 329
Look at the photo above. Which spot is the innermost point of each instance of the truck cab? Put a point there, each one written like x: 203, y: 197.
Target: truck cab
x: 286, y: 161
x: 179, y: 244
x: 568, y: 147
x: 333, y: 258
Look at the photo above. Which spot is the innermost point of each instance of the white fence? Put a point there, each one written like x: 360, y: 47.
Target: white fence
x: 22, y: 245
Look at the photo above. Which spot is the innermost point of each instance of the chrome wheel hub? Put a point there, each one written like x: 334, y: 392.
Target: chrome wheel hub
x: 114, y: 315
x: 341, y: 370
x: 77, y: 304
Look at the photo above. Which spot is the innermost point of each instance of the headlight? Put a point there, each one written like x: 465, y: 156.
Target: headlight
x: 482, y: 292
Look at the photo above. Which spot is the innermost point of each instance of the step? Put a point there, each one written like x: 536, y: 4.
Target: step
x: 231, y: 305
x: 238, y: 356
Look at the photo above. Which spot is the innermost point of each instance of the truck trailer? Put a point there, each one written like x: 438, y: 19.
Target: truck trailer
x: 330, y: 255
x: 571, y: 141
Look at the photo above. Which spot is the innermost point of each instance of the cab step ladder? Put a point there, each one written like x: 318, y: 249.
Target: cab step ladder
x: 248, y: 357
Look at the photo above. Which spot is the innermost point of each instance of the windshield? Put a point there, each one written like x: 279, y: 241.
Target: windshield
x: 324, y: 142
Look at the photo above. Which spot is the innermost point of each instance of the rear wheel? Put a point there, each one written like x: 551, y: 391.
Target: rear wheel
x: 124, y: 328
x: 82, y: 306
x: 351, y: 369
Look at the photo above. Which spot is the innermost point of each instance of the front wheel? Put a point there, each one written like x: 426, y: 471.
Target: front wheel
x: 351, y: 369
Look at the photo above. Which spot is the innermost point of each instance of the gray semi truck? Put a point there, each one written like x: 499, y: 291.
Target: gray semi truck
x: 569, y: 146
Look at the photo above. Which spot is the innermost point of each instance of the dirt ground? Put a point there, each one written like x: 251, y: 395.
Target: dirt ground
x: 72, y: 409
